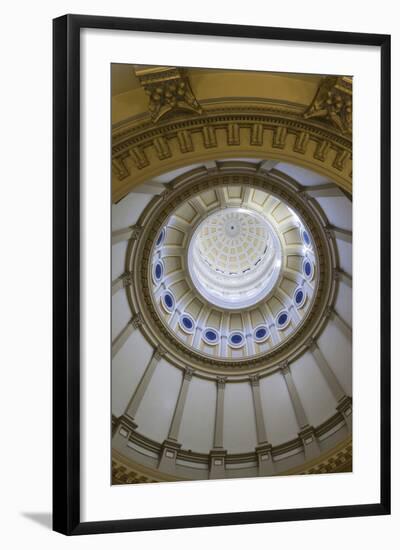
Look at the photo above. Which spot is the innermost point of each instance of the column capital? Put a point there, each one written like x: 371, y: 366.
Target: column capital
x: 311, y: 344
x: 127, y: 278
x: 221, y: 380
x: 329, y: 312
x: 159, y: 353
x: 285, y: 368
x: 136, y: 232
x: 254, y: 379
x: 166, y: 194
x: 328, y: 232
x: 137, y: 320
x: 188, y: 373
x: 304, y: 195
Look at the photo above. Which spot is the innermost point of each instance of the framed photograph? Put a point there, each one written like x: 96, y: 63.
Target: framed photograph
x: 221, y: 274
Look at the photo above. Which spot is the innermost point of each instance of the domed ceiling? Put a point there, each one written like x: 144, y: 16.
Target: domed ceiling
x: 231, y: 308
x: 233, y: 272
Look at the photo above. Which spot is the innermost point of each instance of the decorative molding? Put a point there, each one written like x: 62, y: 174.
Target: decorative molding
x: 159, y: 353
x: 141, y: 148
x: 311, y: 344
x: 337, y: 459
x: 137, y: 321
x: 341, y: 461
x: 123, y: 475
x: 169, y: 91
x: 119, y: 167
x: 329, y: 312
x: 279, y: 137
x: 333, y: 103
x: 136, y: 232
x: 285, y: 368
x: 126, y: 279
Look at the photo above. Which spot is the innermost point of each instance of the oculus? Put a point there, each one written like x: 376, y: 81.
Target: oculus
x: 260, y: 334
x: 168, y: 301
x: 161, y: 237
x: 186, y: 323
x: 308, y: 268
x: 211, y: 336
x: 234, y: 258
x: 158, y: 271
x: 299, y: 297
x: 282, y: 319
x: 236, y: 339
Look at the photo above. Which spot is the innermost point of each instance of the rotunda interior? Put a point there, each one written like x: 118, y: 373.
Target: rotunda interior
x: 231, y: 274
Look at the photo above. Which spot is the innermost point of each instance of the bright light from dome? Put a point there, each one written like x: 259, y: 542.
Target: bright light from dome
x: 234, y: 257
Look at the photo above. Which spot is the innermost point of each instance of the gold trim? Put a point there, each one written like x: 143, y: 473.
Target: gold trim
x: 338, y: 459
x: 142, y: 152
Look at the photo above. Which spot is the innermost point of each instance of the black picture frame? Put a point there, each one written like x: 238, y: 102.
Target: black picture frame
x: 66, y: 273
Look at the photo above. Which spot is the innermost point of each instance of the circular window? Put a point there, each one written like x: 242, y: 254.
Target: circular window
x: 186, y: 323
x: 260, y: 334
x: 306, y: 238
x: 211, y: 336
x: 308, y: 268
x: 236, y: 339
x: 299, y: 297
x: 158, y: 271
x: 282, y: 319
x: 161, y: 237
x: 168, y: 301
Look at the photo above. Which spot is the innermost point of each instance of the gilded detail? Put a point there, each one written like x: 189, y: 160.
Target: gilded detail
x: 168, y: 90
x: 333, y: 103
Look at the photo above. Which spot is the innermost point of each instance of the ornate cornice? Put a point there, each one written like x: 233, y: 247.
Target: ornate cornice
x: 140, y: 152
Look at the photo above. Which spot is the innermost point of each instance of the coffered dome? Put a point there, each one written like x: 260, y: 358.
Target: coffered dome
x: 232, y: 272
x: 234, y: 257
